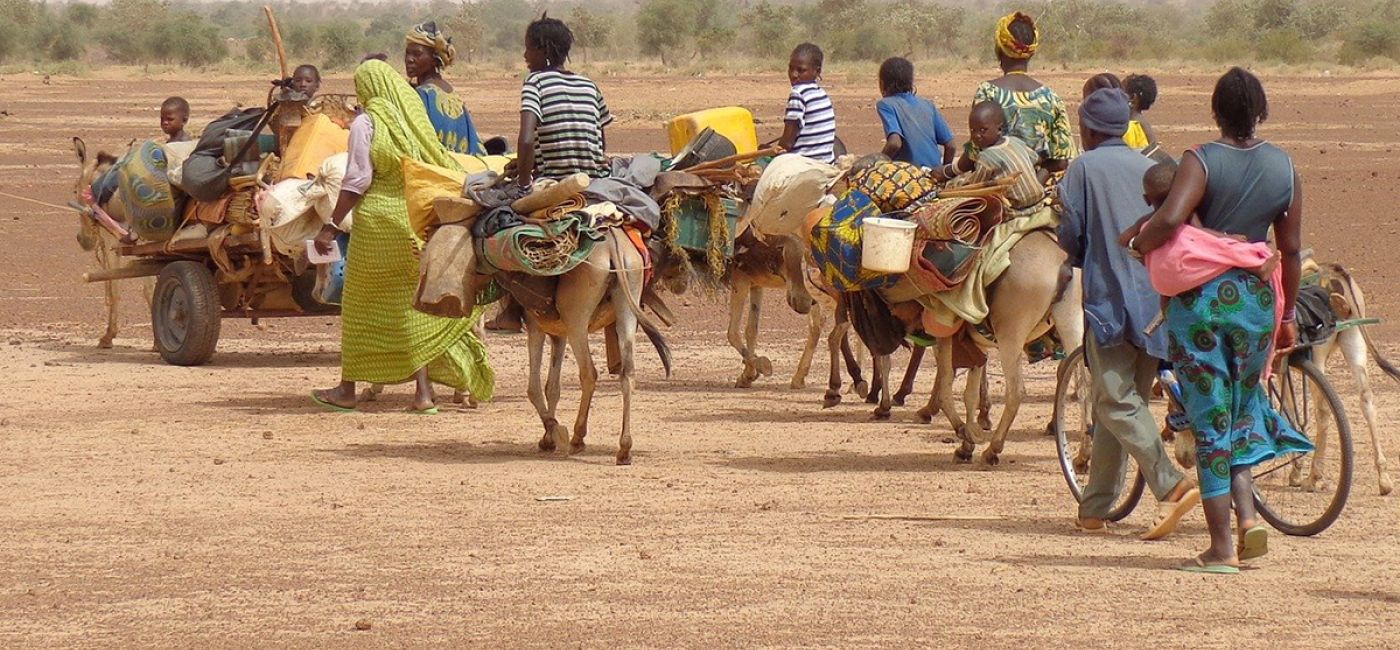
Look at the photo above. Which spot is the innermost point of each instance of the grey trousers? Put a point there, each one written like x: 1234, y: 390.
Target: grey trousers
x: 1121, y: 383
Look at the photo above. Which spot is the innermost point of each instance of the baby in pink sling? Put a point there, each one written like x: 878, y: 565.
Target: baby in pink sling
x: 1196, y: 255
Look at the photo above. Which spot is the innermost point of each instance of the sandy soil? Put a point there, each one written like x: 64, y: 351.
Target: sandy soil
x: 147, y: 505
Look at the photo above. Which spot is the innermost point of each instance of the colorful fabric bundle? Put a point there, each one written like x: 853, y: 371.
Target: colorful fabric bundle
x: 546, y: 248
x: 836, y: 244
x: 144, y: 192
x: 893, y: 186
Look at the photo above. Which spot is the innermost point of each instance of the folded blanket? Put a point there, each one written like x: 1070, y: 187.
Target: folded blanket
x: 539, y: 248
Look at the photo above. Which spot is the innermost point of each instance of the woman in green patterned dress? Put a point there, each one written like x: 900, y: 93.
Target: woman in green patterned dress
x: 1034, y: 113
x: 383, y: 339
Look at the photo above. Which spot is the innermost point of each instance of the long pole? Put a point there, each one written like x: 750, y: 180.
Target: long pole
x: 277, y: 41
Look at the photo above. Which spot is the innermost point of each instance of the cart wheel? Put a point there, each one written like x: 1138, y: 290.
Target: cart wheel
x: 185, y: 314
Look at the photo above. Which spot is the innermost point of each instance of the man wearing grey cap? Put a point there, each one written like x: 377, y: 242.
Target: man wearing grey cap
x: 1102, y: 196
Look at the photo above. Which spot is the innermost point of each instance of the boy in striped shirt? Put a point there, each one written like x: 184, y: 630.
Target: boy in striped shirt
x: 562, y: 114
x: 809, y: 126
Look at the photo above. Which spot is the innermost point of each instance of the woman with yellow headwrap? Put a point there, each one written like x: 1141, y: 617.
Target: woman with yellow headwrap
x: 1034, y: 113
x: 427, y: 51
x: 383, y: 339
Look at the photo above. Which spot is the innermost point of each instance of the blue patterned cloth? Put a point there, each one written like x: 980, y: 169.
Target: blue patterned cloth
x: 451, y: 120
x: 1219, y: 338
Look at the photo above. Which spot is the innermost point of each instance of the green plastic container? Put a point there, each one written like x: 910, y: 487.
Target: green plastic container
x: 693, y: 224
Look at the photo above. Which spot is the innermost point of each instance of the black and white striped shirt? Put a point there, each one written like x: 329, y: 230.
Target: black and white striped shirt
x: 810, y: 107
x: 571, y: 115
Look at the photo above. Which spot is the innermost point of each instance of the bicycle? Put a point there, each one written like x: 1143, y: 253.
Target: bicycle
x: 1298, y: 494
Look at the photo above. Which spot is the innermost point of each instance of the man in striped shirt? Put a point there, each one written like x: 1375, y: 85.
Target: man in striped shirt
x: 809, y: 125
x: 562, y: 114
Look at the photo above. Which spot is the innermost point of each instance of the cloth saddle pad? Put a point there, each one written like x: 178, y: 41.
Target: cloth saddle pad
x: 893, y: 185
x: 836, y: 244
x: 1316, y: 320
x: 942, y: 265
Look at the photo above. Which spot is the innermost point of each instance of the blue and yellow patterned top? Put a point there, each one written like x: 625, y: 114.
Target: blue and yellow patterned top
x: 451, y: 120
x: 1039, y: 118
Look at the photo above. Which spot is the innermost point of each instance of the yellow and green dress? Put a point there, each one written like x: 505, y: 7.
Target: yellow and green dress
x: 383, y: 338
x: 1038, y: 117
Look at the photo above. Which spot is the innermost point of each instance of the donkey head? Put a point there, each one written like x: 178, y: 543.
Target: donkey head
x: 89, y: 169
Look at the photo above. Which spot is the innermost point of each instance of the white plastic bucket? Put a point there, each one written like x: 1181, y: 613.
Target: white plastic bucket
x: 886, y: 245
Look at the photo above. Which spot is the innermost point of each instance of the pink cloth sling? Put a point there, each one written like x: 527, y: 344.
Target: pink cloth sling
x: 1193, y: 257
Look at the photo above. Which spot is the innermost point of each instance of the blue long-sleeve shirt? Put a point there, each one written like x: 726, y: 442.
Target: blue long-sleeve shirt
x: 1102, y: 196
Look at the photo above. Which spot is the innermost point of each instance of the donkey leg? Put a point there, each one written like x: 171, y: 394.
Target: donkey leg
x: 626, y: 325
x: 984, y: 410
x: 906, y: 387
x: 973, y: 400
x: 534, y: 390
x: 587, y: 379
x: 762, y: 364
x: 107, y: 259
x: 882, y: 376
x: 834, y: 343
x: 816, y: 320
x: 854, y: 354
x: 1011, y: 366
x: 738, y: 301
x: 1354, y: 349
x: 943, y: 392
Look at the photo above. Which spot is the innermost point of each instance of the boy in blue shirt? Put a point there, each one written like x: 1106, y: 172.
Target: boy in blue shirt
x: 914, y: 129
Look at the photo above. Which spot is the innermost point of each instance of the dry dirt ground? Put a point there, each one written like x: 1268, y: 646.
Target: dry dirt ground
x: 148, y: 505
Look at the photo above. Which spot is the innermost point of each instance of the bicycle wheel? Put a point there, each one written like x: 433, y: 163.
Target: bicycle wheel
x: 1303, y: 494
x: 1074, y: 431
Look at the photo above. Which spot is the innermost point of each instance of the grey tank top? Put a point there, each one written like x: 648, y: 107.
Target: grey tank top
x: 1246, y: 189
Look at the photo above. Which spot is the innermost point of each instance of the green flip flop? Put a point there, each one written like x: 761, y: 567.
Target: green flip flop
x: 329, y: 406
x: 1197, y: 565
x: 1253, y: 543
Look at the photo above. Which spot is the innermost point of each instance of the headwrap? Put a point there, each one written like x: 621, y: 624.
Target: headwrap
x: 428, y: 35
x: 1106, y: 111
x: 1008, y: 45
x: 401, y: 126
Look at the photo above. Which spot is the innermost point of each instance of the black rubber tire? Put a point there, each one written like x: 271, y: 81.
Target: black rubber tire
x: 186, y: 314
x: 1342, y: 430
x: 1064, y: 446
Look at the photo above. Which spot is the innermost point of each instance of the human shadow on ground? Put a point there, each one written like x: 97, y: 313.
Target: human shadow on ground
x: 1114, y: 562
x: 468, y: 453
x: 392, y: 403
x: 1356, y: 594
x: 140, y: 356
x: 937, y: 459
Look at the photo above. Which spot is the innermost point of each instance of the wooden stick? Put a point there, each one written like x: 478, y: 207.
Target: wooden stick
x: 137, y: 270
x: 730, y: 161
x: 277, y: 41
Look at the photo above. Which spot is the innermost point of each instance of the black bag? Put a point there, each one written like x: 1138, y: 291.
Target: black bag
x: 205, y: 174
x: 1316, y: 320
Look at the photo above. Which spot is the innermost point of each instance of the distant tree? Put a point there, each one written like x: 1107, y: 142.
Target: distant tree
x: 767, y: 27
x: 1370, y: 39
x: 469, y: 31
x: 1274, y: 14
x: 342, y: 43
x: 81, y: 14
x: 300, y: 40
x: 666, y: 28
x: 591, y: 30
x: 9, y: 39
x: 1228, y: 18
x: 1320, y: 20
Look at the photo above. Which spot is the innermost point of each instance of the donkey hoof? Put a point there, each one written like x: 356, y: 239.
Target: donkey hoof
x: 1386, y: 485
x: 899, y: 398
x: 880, y: 413
x: 830, y: 400
x: 962, y: 455
x: 577, y: 447
x: 986, y: 423
x: 106, y: 344
x: 925, y: 415
x: 798, y: 384
x: 624, y: 459
x: 991, y: 458
x: 861, y: 388
x: 744, y: 381
x: 547, y: 443
x: 764, y: 365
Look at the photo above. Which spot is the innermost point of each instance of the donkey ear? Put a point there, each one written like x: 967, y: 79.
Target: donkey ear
x: 104, y: 158
x: 81, y: 148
